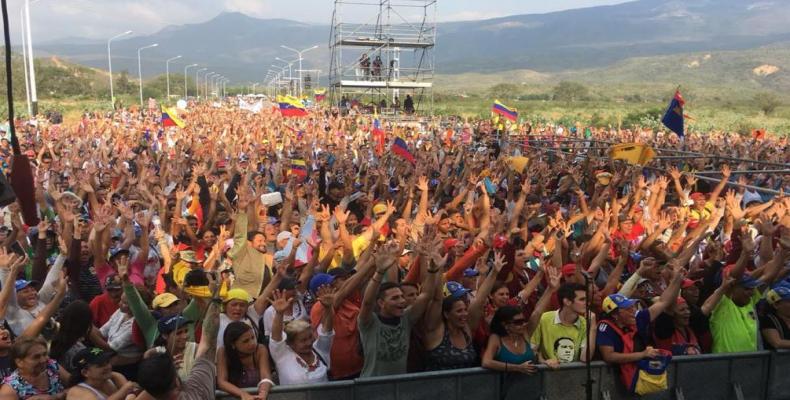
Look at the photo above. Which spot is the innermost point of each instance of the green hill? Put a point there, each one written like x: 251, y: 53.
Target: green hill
x: 707, y: 76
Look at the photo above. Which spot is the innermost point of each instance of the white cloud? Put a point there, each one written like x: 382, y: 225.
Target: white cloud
x: 255, y: 8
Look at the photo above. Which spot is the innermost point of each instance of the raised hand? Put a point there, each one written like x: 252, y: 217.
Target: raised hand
x: 554, y: 276
x: 725, y: 171
x: 499, y: 262
x: 280, y: 303
x: 7, y: 260
x: 341, y: 216
x: 422, y: 183
x: 326, y: 296
x: 674, y: 173
x: 386, y: 256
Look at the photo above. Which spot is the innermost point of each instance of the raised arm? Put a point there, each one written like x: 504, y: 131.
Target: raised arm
x: 554, y: 276
x: 385, y: 259
x: 46, y: 313
x: 476, y: 307
x: 670, y: 295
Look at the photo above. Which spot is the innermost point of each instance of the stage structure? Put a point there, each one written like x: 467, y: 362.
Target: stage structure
x: 383, y: 50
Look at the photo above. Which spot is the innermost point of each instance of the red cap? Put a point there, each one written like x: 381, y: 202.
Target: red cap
x: 500, y: 241
x: 687, y: 283
x: 697, y: 196
x: 449, y: 243
x: 568, y: 270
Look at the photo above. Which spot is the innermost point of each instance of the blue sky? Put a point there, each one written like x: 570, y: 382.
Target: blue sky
x: 99, y: 19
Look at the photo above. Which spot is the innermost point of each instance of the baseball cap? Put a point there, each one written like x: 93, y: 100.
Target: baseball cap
x: 188, y: 256
x: 449, y: 244
x: 91, y: 356
x: 568, y: 270
x: 111, y: 282
x: 405, y: 251
x: 284, y: 235
x: 777, y: 294
x: 21, y: 284
x: 603, y: 177
x: 164, y: 300
x: 616, y: 301
x: 687, y: 283
x: 238, y: 294
x: 341, y: 272
x: 749, y: 282
x: 171, y: 323
x: 471, y: 272
x: 117, y: 252
x: 379, y: 209
x: 319, y: 280
x: 697, y: 196
x: 455, y: 289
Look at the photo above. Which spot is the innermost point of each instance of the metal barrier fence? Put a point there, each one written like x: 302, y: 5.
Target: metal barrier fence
x: 759, y: 376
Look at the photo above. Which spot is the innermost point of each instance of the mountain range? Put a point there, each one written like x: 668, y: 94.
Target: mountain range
x: 242, y: 47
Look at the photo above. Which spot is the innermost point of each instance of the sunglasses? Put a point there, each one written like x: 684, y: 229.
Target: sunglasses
x: 518, y: 321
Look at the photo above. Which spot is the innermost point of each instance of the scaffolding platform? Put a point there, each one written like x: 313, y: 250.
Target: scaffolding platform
x: 383, y: 84
x: 386, y: 57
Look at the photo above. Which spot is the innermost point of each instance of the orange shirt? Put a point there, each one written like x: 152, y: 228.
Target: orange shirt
x: 344, y: 357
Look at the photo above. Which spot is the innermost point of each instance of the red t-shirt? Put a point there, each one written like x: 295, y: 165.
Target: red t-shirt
x: 102, y: 308
x: 345, y: 351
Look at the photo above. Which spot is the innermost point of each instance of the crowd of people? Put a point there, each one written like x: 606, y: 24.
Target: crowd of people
x: 247, y: 250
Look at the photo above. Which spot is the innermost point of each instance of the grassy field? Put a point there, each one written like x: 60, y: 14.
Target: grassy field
x: 707, y: 116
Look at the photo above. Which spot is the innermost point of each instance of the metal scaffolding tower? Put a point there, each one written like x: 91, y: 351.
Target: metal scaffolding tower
x: 385, y: 58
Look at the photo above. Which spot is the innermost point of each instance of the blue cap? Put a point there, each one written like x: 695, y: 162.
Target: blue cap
x: 118, y: 251
x: 748, y: 282
x: 171, y: 323
x: 455, y: 289
x: 616, y: 302
x: 21, y: 284
x: 471, y: 272
x: 319, y: 280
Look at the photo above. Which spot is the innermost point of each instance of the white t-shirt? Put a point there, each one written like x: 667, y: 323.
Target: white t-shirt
x: 251, y: 319
x: 292, y: 370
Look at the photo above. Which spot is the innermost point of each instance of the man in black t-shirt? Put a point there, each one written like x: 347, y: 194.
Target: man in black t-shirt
x: 775, y: 323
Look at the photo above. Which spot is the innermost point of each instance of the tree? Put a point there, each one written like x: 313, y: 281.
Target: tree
x: 122, y: 84
x: 570, y: 91
x: 767, y: 102
x: 504, y: 91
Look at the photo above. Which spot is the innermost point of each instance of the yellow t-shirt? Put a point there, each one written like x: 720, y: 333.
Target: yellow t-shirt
x: 557, y: 341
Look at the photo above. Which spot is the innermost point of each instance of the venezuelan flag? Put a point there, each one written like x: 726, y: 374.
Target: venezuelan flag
x: 319, y: 94
x: 291, y: 107
x: 400, y: 148
x: 505, y: 111
x: 299, y: 168
x: 170, y: 118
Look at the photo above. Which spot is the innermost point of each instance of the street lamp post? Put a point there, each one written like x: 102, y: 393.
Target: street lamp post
x: 282, y: 70
x: 186, y: 93
x: 207, y: 77
x: 197, y: 82
x: 140, y: 70
x: 167, y: 73
x: 31, y: 66
x: 109, y: 64
x: 299, y: 53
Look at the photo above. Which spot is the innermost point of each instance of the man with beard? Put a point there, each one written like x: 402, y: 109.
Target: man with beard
x: 251, y: 262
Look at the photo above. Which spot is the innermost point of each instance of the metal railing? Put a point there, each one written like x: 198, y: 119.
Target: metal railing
x: 759, y: 375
